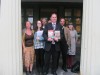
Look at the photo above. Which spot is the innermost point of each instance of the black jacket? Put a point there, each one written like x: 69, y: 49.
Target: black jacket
x: 45, y: 35
x: 63, y: 44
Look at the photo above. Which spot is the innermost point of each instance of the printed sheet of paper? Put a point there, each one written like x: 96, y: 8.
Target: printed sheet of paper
x: 57, y: 34
x: 39, y: 33
x: 50, y: 34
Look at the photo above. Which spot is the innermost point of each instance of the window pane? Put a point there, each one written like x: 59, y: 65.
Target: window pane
x: 68, y: 12
x: 30, y: 19
x: 46, y: 12
x: 22, y: 12
x: 22, y: 22
x: 29, y: 12
x: 77, y: 12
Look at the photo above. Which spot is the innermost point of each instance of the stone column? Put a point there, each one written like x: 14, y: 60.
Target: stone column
x: 10, y: 38
x: 90, y: 51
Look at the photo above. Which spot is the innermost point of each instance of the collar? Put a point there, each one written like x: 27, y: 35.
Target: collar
x: 53, y: 23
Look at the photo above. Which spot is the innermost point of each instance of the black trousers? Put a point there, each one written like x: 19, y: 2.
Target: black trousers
x: 63, y: 51
x: 47, y: 57
x: 39, y: 59
x: 64, y: 57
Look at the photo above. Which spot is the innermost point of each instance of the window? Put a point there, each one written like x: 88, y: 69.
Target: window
x: 77, y: 19
x: 29, y: 12
x: 68, y: 12
x: 73, y: 15
x: 27, y: 15
x: 46, y: 12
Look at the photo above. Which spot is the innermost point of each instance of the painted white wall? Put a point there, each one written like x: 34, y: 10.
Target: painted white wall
x: 10, y: 38
x: 90, y: 53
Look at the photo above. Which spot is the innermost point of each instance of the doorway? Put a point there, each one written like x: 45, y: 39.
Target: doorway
x: 72, y: 12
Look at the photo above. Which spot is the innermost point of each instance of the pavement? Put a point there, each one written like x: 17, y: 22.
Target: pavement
x: 59, y: 70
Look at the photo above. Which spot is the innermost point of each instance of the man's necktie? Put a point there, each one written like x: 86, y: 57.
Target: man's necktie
x: 54, y: 26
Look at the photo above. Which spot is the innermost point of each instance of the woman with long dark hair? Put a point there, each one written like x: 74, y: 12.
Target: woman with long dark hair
x: 39, y: 47
x: 28, y: 49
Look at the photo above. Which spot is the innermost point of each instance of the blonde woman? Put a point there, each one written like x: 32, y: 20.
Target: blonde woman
x: 72, y: 47
x: 28, y: 50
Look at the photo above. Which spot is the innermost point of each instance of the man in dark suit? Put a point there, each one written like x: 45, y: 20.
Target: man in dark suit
x: 64, y: 44
x: 52, y: 45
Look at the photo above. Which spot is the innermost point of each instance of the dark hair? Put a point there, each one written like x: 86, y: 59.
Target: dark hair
x: 72, y: 25
x: 44, y: 18
x: 29, y: 22
x: 62, y: 18
x: 53, y: 14
x: 36, y: 28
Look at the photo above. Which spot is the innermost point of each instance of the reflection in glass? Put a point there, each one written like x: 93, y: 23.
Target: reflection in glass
x: 22, y: 22
x: 77, y: 12
x: 22, y: 12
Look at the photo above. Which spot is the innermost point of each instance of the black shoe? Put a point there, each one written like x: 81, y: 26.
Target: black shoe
x: 54, y: 73
x: 65, y: 69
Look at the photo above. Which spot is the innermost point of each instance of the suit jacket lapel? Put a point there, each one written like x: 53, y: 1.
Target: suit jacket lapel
x: 51, y: 26
x: 56, y: 26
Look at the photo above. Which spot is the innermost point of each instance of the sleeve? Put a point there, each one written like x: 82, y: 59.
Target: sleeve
x: 34, y: 40
x: 45, y: 33
x: 41, y: 38
x: 33, y: 32
x: 61, y: 32
x: 33, y: 35
x: 23, y: 40
x: 66, y: 34
x: 76, y: 36
x: 68, y: 37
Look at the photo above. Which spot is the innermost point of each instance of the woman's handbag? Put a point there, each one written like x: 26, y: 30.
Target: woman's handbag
x: 76, y: 67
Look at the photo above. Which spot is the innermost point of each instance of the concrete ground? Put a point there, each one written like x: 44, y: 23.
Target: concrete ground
x: 60, y: 71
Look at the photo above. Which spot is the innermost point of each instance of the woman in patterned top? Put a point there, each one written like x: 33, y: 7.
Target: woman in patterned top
x: 28, y: 49
x: 39, y: 46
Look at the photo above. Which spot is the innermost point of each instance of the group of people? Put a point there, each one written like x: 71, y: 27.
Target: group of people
x: 42, y: 44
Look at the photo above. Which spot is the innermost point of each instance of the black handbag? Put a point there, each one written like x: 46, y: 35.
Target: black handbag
x: 76, y: 67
